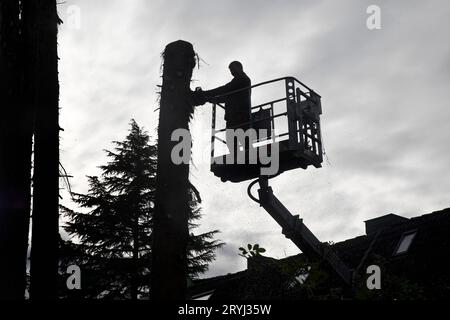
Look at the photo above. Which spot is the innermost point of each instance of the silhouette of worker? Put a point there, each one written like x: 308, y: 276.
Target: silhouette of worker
x: 237, y: 105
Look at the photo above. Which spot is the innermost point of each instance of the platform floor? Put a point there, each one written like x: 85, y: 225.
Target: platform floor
x: 288, y: 160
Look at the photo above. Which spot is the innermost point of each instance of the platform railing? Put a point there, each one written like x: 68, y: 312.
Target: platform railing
x: 295, y: 91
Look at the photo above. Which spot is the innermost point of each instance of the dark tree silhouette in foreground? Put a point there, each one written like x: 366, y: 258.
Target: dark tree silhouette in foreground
x: 112, y: 241
x: 169, y: 272
x: 41, y: 24
x: 15, y: 151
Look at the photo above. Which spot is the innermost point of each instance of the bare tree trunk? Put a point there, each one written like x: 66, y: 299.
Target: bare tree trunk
x: 170, y: 232
x: 41, y: 21
x: 15, y: 155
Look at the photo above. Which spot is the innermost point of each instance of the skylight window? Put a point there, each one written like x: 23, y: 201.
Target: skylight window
x: 203, y: 296
x: 405, y: 242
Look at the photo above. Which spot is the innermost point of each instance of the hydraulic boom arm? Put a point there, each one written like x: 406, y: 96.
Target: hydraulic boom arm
x: 294, y: 229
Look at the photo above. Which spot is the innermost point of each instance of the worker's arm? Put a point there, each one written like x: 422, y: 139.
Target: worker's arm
x: 216, y: 95
x: 212, y: 95
x: 197, y: 97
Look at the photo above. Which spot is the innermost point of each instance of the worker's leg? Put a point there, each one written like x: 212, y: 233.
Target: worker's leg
x: 232, y: 144
x: 238, y: 146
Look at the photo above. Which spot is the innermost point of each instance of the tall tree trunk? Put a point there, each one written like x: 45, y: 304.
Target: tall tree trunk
x: 135, y: 256
x: 41, y: 20
x: 135, y: 271
x: 15, y: 155
x: 170, y: 232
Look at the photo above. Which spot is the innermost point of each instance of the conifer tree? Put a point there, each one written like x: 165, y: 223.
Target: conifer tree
x: 112, y: 237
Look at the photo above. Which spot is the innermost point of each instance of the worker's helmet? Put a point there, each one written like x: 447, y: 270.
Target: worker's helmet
x: 236, y: 65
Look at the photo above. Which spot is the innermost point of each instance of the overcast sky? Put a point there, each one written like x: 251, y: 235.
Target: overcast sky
x: 385, y: 98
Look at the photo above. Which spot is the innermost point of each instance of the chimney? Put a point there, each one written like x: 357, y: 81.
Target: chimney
x: 388, y: 220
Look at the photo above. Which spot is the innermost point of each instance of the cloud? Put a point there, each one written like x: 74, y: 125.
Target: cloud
x: 385, y: 101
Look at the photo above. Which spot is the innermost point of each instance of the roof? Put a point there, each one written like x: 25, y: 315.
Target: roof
x: 373, y: 225
x: 426, y: 262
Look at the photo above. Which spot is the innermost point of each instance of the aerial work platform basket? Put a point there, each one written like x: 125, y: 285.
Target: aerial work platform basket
x: 291, y: 130
x: 292, y: 121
